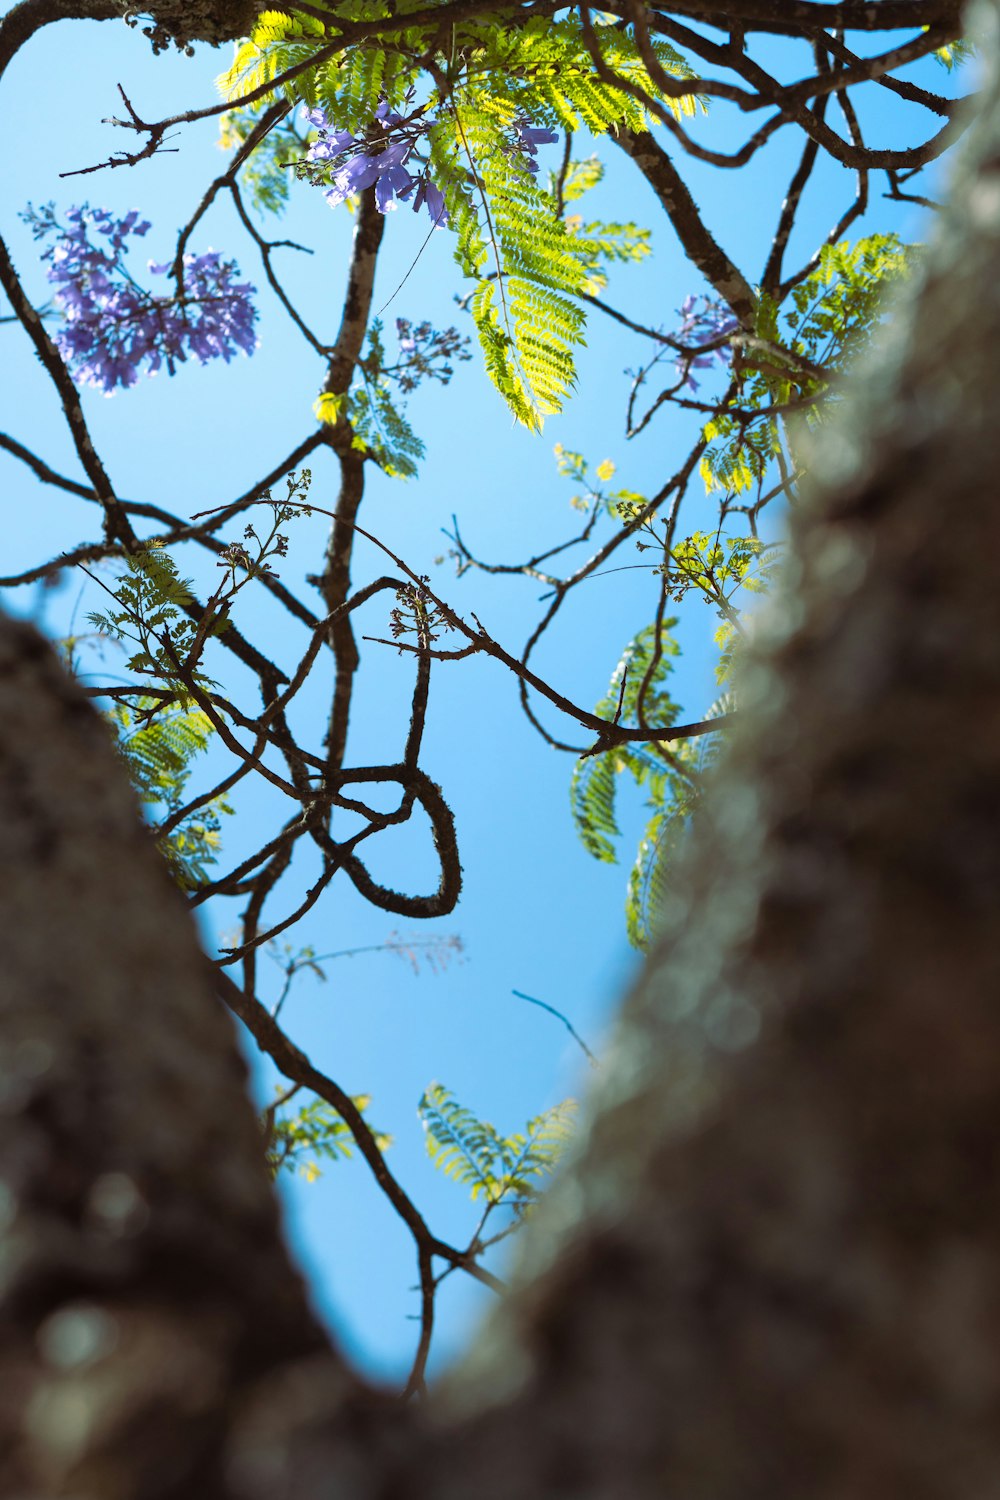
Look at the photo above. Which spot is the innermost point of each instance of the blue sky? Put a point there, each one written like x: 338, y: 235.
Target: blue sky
x: 537, y: 914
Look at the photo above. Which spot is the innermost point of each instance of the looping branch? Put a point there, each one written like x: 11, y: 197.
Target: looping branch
x: 419, y: 787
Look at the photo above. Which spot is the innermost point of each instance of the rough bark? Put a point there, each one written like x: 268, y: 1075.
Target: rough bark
x: 774, y: 1266
x: 143, y: 1282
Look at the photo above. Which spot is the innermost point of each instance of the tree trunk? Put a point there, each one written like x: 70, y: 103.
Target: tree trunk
x: 773, y: 1268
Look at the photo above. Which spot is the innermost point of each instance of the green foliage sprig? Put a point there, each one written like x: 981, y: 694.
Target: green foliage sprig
x: 799, y: 347
x: 160, y: 733
x: 500, y: 1170
x: 152, y: 601
x: 953, y: 54
x: 159, y: 745
x: 824, y: 323
x: 302, y: 1140
x: 375, y: 414
x: 529, y: 266
x: 378, y: 423
x: 267, y: 173
x: 671, y: 777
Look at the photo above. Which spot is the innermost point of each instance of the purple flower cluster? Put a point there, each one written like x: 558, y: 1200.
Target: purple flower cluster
x: 426, y: 353
x: 112, y: 326
x: 385, y: 154
x: 523, y: 149
x: 703, y: 325
x: 379, y: 156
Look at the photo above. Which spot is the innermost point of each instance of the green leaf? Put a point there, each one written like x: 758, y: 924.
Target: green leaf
x: 327, y: 408
x: 953, y: 54
x: 267, y: 174
x: 827, y: 320
x: 592, y: 800
x: 580, y: 177
x: 314, y: 1133
x: 159, y: 743
x: 505, y: 1170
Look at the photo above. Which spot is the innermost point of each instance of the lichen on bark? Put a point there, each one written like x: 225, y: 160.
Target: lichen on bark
x: 181, y: 23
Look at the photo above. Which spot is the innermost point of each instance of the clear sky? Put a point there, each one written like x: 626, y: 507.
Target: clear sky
x: 536, y: 914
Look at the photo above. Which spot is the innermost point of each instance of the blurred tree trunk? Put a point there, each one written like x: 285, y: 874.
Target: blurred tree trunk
x: 774, y: 1266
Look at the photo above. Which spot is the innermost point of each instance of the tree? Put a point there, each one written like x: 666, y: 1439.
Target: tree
x: 771, y: 1262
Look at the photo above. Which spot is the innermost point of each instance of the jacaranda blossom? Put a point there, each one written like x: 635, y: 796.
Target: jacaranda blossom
x: 526, y: 140
x: 112, y: 327
x: 377, y: 157
x: 713, y: 320
x: 385, y: 156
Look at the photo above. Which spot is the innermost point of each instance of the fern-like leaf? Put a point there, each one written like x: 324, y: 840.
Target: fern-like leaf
x: 505, y: 1170
x: 315, y: 1133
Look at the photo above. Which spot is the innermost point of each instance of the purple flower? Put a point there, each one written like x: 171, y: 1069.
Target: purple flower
x: 522, y: 147
x: 425, y: 353
x: 380, y: 156
x: 113, y: 327
x: 528, y: 138
x: 386, y: 153
x: 432, y: 196
x: 329, y: 143
x: 393, y: 182
x: 704, y: 325
x: 356, y: 175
